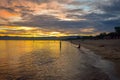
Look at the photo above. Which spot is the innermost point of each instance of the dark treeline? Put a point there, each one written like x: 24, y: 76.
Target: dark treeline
x: 111, y: 35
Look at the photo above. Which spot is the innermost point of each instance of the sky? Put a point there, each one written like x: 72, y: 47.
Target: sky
x: 40, y: 18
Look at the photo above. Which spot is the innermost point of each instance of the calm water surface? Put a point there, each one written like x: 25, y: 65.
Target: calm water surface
x: 50, y: 60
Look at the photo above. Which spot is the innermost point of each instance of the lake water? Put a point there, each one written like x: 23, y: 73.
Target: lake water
x: 51, y: 60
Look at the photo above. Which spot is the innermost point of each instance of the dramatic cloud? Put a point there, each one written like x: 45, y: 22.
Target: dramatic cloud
x: 54, y: 17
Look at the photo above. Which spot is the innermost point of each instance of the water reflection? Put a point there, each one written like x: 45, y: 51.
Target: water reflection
x: 15, y: 49
x: 60, y: 45
x: 47, y: 60
x: 24, y: 58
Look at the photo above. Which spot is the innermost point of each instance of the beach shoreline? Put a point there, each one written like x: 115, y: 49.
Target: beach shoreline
x: 107, y: 49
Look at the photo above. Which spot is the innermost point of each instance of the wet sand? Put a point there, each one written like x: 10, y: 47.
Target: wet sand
x: 107, y: 49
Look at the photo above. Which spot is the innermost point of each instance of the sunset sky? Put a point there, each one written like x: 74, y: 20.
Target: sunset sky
x: 40, y: 18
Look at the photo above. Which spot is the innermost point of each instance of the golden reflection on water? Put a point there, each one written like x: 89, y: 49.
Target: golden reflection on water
x: 20, y: 57
x: 47, y: 60
x: 12, y: 48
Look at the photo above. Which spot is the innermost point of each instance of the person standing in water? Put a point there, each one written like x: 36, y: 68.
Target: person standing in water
x: 79, y: 46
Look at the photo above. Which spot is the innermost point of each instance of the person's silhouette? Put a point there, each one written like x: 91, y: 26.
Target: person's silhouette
x: 79, y: 46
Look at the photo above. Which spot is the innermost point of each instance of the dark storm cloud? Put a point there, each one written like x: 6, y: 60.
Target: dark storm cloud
x: 103, y: 22
x: 114, y: 6
x: 72, y: 2
x: 7, y: 8
x: 55, y: 24
x: 108, y: 16
x: 47, y: 20
x: 75, y: 10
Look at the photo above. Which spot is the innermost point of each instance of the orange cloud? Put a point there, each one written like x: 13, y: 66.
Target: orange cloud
x: 6, y: 14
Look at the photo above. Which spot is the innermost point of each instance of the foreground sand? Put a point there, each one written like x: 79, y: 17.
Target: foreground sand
x: 108, y: 49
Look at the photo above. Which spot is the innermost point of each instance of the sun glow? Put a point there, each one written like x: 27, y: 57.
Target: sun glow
x: 57, y: 34
x: 26, y: 28
x: 23, y: 31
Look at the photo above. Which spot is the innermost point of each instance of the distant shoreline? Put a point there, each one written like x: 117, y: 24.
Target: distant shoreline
x: 39, y: 38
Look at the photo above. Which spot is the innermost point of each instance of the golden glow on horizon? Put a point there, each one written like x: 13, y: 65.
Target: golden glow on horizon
x: 16, y: 28
x: 28, y: 32
x: 23, y: 31
x: 57, y: 34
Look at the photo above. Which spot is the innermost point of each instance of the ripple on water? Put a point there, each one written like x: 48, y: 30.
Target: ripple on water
x: 42, y: 64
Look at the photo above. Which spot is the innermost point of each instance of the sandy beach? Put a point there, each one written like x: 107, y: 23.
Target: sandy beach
x: 108, y: 49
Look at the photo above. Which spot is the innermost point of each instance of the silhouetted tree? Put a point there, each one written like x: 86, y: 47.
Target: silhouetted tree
x: 101, y: 35
x: 117, y: 29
